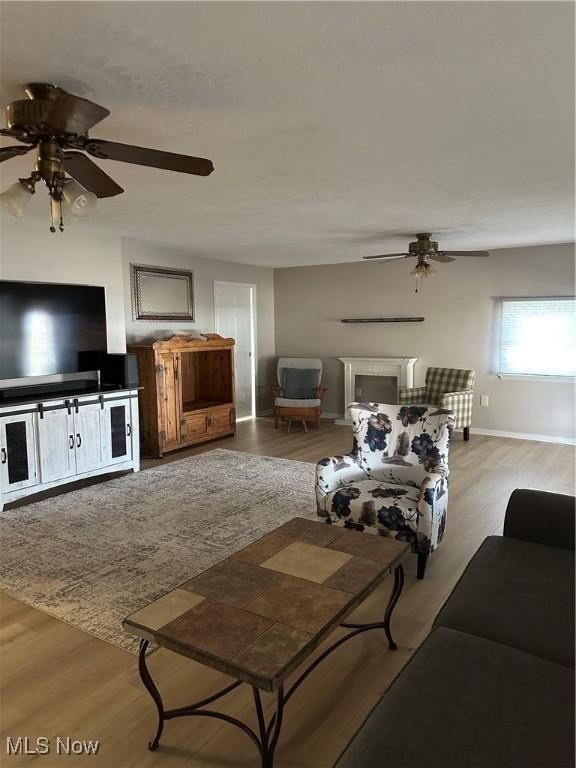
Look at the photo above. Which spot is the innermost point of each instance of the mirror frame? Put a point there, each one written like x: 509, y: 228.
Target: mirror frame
x: 138, y: 271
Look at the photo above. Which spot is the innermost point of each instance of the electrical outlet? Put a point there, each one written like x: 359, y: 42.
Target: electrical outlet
x: 484, y: 400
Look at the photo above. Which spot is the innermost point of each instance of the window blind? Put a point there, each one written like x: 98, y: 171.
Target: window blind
x: 538, y: 337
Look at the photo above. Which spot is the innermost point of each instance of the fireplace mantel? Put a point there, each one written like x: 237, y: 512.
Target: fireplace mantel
x: 402, y: 368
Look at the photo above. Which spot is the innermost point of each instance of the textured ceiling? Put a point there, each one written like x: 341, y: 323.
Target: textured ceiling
x: 337, y: 129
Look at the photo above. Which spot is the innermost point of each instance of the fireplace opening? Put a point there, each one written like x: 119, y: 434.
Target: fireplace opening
x: 376, y: 389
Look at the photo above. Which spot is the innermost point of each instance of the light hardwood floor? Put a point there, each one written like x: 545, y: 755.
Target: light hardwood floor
x: 58, y: 681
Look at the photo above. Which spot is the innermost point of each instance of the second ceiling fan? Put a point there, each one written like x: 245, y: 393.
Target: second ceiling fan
x: 424, y: 249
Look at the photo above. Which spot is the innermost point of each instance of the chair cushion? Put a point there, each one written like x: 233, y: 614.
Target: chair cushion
x: 300, y: 383
x: 517, y: 593
x: 376, y: 506
x: 466, y: 702
x: 288, y: 403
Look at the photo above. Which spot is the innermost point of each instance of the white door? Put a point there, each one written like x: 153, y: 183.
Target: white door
x: 117, y: 432
x: 234, y: 317
x: 88, y: 435
x: 17, y: 452
x: 56, y: 445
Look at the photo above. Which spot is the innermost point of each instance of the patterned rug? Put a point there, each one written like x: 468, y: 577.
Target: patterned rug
x: 91, y: 557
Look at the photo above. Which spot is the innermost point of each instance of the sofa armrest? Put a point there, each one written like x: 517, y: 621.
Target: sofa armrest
x: 409, y: 395
x: 541, y: 517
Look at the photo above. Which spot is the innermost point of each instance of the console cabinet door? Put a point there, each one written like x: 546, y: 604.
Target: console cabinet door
x: 117, y: 432
x: 56, y: 445
x: 88, y: 437
x: 17, y: 452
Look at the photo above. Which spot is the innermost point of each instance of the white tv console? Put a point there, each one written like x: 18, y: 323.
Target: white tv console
x: 56, y: 440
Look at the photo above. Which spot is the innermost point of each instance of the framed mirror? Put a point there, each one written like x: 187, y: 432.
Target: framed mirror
x: 160, y: 293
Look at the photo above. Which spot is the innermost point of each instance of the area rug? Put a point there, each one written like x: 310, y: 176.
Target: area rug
x: 92, y: 556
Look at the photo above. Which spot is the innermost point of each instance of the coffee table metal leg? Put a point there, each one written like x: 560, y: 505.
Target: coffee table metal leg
x: 396, y: 592
x: 153, y: 691
x: 269, y: 734
x: 385, y: 623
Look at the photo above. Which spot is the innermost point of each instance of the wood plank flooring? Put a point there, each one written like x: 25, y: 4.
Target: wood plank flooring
x: 59, y: 681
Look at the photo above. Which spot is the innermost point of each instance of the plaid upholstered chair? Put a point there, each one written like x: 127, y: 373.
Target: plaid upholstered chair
x: 450, y: 388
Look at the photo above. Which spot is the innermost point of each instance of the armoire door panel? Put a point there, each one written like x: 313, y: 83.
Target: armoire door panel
x: 170, y: 392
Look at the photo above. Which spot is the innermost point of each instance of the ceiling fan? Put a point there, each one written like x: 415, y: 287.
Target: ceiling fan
x: 424, y: 249
x: 56, y: 124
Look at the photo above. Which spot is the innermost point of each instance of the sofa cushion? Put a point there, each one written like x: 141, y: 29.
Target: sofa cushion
x: 466, y: 702
x: 518, y: 593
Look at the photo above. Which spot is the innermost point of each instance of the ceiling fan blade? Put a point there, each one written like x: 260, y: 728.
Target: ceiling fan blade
x: 90, y: 175
x: 440, y: 256
x: 154, y: 158
x: 465, y: 253
x: 7, y: 152
x: 72, y: 114
x: 389, y: 256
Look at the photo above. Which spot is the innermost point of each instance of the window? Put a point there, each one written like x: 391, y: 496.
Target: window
x: 538, y: 337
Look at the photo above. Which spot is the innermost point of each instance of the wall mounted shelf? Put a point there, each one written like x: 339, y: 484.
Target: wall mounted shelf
x: 382, y: 320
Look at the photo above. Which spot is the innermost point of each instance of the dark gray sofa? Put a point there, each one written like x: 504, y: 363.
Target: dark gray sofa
x: 493, y: 684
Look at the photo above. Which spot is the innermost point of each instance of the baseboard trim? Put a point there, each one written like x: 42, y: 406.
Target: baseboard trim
x: 338, y: 419
x: 520, y: 435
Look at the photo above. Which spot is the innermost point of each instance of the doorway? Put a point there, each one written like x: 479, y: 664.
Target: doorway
x: 235, y: 317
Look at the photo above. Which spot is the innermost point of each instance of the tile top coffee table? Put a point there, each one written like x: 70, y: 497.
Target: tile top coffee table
x: 258, y: 615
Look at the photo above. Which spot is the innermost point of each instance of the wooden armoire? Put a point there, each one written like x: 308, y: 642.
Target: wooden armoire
x: 188, y: 392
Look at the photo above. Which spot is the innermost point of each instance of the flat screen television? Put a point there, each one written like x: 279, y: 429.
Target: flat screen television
x: 44, y: 327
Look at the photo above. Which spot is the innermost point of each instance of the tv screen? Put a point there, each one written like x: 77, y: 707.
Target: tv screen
x: 45, y: 326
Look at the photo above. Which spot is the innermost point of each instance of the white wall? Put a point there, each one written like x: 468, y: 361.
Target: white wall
x: 29, y: 251
x: 206, y: 271
x: 459, y: 306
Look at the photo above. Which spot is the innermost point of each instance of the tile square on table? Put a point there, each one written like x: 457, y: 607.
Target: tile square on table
x: 165, y: 609
x: 221, y: 630
x: 371, y: 546
x: 307, y: 561
x: 354, y: 575
x: 301, y: 604
x: 232, y: 582
x: 262, y: 549
x: 269, y: 654
x: 311, y: 531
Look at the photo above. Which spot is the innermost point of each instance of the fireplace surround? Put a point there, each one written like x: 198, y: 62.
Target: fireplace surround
x: 401, y: 368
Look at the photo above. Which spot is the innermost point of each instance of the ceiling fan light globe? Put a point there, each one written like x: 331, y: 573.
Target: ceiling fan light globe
x: 423, y: 269
x: 77, y: 201
x: 15, y: 199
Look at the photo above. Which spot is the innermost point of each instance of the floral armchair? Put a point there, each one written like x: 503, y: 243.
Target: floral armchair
x: 394, y: 482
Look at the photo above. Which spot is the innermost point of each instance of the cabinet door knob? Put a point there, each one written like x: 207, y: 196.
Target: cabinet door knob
x: 128, y: 429
x: 78, y: 440
x: 71, y: 442
x: 4, y: 456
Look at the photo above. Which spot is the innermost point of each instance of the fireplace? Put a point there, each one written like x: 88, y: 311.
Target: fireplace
x: 393, y: 372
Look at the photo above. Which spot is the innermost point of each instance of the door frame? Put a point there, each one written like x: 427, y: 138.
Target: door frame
x: 254, y: 342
